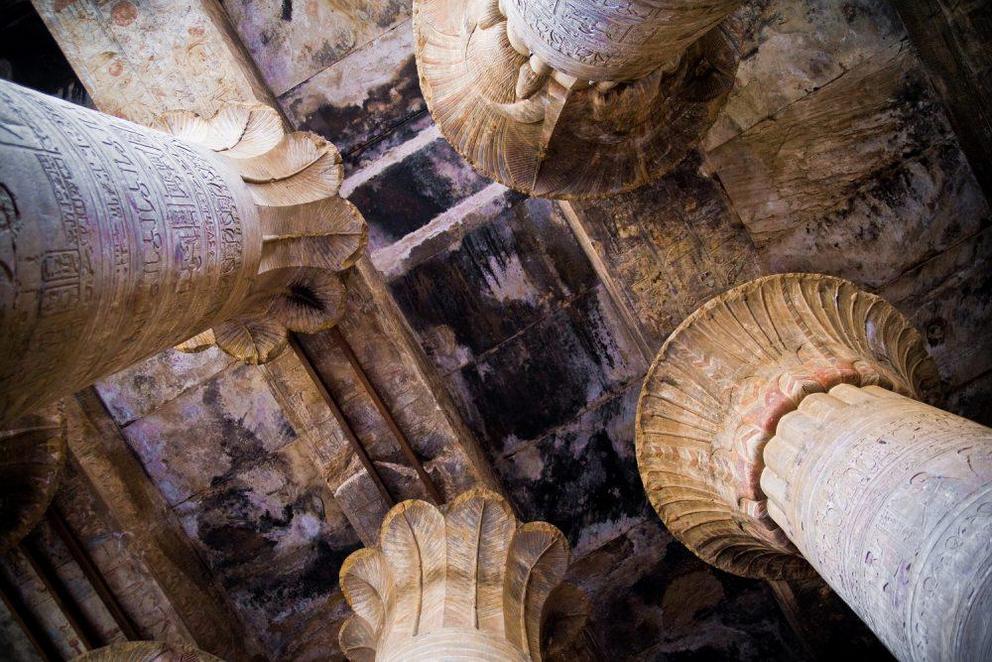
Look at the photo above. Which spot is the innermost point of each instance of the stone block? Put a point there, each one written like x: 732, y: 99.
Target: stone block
x: 237, y: 423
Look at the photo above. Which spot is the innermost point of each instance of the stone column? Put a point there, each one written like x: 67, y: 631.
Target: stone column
x: 578, y: 98
x: 780, y: 428
x: 470, y: 583
x: 117, y: 241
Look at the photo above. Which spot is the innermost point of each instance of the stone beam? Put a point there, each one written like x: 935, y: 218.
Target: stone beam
x: 155, y: 535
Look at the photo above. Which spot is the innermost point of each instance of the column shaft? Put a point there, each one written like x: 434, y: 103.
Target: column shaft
x: 610, y: 41
x: 116, y: 241
x: 890, y: 500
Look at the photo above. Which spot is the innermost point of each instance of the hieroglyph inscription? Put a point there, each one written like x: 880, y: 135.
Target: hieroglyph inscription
x: 115, y: 241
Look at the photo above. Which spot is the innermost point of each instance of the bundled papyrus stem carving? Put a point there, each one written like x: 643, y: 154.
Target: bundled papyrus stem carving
x: 468, y: 583
x: 779, y: 429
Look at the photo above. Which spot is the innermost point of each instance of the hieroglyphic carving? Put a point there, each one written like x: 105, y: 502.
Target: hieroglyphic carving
x: 610, y: 40
x: 93, y: 269
x: 118, y: 241
x: 309, y: 233
x: 469, y: 583
x: 891, y: 501
x: 778, y: 426
x: 574, y: 98
x: 722, y: 381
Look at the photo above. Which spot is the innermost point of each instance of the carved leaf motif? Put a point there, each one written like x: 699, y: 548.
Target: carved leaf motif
x: 251, y: 340
x: 469, y: 578
x: 479, y: 530
x: 308, y: 232
x: 723, y: 380
x: 539, y: 556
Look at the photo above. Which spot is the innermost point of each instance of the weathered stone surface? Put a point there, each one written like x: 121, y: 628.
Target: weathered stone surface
x: 365, y: 100
x: 670, y: 245
x: 113, y: 488
x: 142, y: 387
x: 548, y: 374
x: 949, y: 299
x: 796, y: 48
x: 505, y: 270
x: 276, y: 539
x: 951, y: 39
x: 408, y: 194
x: 581, y: 476
x: 891, y: 501
x: 196, y: 63
x: 654, y: 600
x: 292, y: 40
x: 238, y: 422
x: 869, y: 156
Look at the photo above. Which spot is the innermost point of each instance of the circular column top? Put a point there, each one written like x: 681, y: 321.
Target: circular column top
x: 721, y: 382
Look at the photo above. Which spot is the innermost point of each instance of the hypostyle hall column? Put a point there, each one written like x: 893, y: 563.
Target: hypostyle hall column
x: 469, y: 583
x: 117, y: 241
x: 780, y: 428
x: 575, y: 98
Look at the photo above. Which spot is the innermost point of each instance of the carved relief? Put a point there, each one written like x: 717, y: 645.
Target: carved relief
x: 309, y: 233
x: 779, y: 426
x: 891, y: 501
x: 577, y: 98
x: 146, y: 651
x: 469, y: 583
x: 117, y: 241
x: 724, y: 379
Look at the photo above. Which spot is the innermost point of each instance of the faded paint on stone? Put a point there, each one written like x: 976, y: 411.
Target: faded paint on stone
x: 237, y: 423
x: 370, y: 97
x: 292, y: 40
x: 141, y: 388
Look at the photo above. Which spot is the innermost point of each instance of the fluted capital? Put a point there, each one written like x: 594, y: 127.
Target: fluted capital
x: 588, y: 128
x: 469, y: 581
x: 309, y: 234
x: 715, y: 393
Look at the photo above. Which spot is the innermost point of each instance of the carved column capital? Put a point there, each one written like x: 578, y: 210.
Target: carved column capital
x: 579, y: 99
x: 308, y: 233
x: 119, y: 241
x: 470, y: 581
x: 723, y: 380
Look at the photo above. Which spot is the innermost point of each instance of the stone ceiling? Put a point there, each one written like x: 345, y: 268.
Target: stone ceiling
x: 507, y: 337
